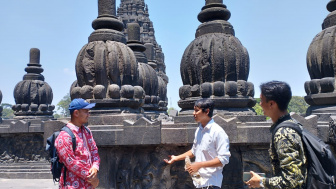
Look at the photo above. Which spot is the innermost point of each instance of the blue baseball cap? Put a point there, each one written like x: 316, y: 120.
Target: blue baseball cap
x: 79, y: 103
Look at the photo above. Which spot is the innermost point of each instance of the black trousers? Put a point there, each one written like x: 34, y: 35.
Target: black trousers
x: 211, y: 187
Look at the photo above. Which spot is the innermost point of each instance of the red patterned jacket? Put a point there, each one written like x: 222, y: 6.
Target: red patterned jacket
x: 78, y: 163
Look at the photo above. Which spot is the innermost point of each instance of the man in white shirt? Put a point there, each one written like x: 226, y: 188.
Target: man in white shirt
x: 210, y: 148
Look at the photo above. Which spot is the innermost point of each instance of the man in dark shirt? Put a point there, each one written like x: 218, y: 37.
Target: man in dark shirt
x: 287, y: 155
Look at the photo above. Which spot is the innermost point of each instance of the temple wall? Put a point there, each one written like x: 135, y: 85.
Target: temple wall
x: 21, y: 148
x: 132, y: 150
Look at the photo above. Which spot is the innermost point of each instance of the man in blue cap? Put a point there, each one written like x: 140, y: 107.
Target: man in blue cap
x: 82, y: 164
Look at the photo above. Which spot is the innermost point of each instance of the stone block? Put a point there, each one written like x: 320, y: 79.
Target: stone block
x: 112, y: 119
x: 140, y: 132
x: 4, y: 130
x: 184, y: 119
x: 253, y: 134
x: 173, y: 113
x: 229, y: 126
x: 309, y: 122
x: 105, y: 138
x: 251, y: 118
x: 181, y: 135
x: 19, y: 126
x: 52, y: 126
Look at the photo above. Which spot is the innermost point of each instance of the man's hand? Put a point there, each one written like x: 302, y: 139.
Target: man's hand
x: 93, y: 173
x: 194, y: 167
x: 254, y: 182
x: 93, y: 177
x: 171, y: 160
x: 94, y: 182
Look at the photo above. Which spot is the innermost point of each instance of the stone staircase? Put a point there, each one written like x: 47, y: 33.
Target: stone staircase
x: 29, y: 170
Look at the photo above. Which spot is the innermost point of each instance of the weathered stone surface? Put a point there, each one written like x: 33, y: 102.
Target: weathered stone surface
x: 148, y: 77
x: 20, y: 126
x: 320, y: 90
x: 52, y: 126
x: 141, y: 39
x: 143, y: 167
x: 173, y: 113
x: 256, y: 158
x: 106, y: 61
x: 216, y: 65
x: 33, y: 96
x: 22, y: 147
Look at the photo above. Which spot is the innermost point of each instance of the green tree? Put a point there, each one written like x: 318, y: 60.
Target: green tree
x: 56, y: 115
x: 63, y: 105
x: 298, y: 105
x: 257, y: 108
x: 7, y: 112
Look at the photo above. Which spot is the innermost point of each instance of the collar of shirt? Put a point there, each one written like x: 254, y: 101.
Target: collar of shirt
x: 73, y: 127
x: 207, y: 127
x: 280, y: 120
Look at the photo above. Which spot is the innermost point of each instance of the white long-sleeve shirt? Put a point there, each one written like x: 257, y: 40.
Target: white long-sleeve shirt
x: 211, y: 142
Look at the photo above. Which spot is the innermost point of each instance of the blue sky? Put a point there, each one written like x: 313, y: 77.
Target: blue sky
x: 276, y: 34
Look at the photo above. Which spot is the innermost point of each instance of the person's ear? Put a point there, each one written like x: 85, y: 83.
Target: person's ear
x: 273, y: 104
x: 75, y: 113
x: 207, y: 111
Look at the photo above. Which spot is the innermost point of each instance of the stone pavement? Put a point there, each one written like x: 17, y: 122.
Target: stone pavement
x: 27, y: 184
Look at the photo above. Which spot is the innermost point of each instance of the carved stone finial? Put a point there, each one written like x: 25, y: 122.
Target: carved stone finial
x: 148, y: 77
x: 330, y: 20
x: 106, y: 8
x: 331, y: 6
x: 107, y: 26
x: 34, y: 69
x: 214, y: 10
x: 136, y: 11
x: 216, y: 65
x: 33, y: 96
x: 106, y: 68
x: 321, y: 91
x: 133, y: 30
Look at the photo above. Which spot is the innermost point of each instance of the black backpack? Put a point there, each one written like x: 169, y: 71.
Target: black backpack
x: 321, y: 170
x: 56, y: 166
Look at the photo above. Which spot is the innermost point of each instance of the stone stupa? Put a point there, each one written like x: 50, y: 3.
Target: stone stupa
x: 136, y: 11
x: 106, y: 68
x: 321, y: 65
x: 33, y: 96
x: 216, y: 65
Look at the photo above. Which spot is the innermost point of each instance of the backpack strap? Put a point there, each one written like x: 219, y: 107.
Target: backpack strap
x: 293, y: 125
x: 87, y: 129
x: 73, y: 137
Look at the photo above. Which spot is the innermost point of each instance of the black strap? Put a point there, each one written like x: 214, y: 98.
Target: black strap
x: 64, y: 178
x: 87, y: 129
x: 73, y: 137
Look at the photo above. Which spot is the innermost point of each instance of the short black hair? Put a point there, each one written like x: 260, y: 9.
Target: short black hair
x: 71, y: 112
x: 278, y: 91
x: 204, y: 104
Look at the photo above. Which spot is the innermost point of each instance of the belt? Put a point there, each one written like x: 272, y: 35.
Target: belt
x: 210, y: 187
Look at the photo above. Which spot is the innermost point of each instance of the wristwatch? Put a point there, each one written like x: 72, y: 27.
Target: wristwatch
x: 261, y: 182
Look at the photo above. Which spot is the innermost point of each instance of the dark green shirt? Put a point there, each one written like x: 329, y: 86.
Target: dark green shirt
x: 288, y: 158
